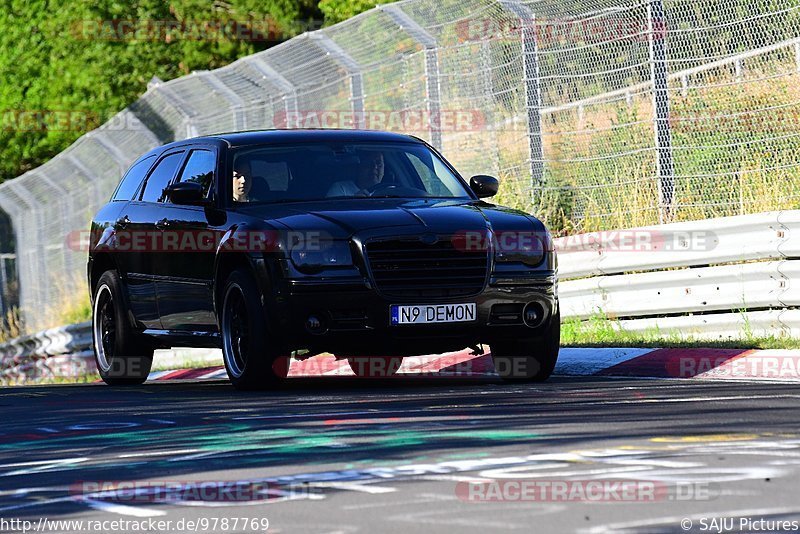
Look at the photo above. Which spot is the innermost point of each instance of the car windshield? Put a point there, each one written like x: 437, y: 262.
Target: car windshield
x: 316, y: 171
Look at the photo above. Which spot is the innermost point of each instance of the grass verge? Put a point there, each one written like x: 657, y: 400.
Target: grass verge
x: 88, y: 378
x: 601, y: 331
x: 10, y: 325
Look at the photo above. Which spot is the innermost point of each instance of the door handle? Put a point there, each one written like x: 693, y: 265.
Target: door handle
x: 163, y: 224
x: 122, y: 222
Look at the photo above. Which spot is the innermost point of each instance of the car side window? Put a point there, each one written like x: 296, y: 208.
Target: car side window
x: 132, y: 180
x: 199, y: 169
x: 161, y: 177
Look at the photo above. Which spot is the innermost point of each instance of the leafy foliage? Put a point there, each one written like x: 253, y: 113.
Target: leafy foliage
x: 65, y: 68
x: 339, y: 10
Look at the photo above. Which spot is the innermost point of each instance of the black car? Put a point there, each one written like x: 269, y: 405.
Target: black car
x: 279, y: 244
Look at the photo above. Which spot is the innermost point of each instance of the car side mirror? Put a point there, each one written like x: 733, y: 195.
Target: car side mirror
x: 190, y: 193
x: 484, y: 186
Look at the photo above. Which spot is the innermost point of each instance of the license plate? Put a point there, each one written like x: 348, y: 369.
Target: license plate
x: 433, y: 313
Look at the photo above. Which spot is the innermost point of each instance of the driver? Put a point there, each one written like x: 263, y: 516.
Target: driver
x: 370, y: 174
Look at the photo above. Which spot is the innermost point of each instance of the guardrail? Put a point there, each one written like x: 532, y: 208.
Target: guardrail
x: 737, y: 276
x: 718, y: 288
x: 779, y: 323
x: 763, y: 236
x: 59, y: 352
x: 739, y: 273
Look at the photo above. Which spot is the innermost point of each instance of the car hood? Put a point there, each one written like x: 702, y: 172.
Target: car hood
x: 346, y: 218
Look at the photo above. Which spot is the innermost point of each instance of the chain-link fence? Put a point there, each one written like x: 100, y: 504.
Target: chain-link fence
x: 597, y: 114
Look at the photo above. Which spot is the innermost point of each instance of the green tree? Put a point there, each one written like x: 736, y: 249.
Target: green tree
x: 66, y: 68
x: 339, y: 10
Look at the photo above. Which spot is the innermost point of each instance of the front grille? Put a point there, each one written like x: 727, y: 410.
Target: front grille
x: 410, y: 268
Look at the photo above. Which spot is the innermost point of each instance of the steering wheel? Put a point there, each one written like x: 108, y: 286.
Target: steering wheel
x: 399, y: 190
x: 381, y: 188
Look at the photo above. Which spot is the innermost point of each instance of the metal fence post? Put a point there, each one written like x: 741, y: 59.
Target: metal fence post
x: 486, y: 66
x: 93, y: 178
x: 274, y: 77
x: 327, y: 45
x: 3, y: 287
x: 432, y: 78
x: 66, y: 204
x: 6, y: 299
x: 797, y: 56
x: 237, y: 104
x: 533, y: 93
x: 657, y: 36
x: 178, y: 104
x: 12, y: 210
x: 30, y: 264
x: 113, y: 150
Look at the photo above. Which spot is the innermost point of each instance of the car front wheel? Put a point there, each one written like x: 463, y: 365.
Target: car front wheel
x: 530, y: 359
x: 252, y: 354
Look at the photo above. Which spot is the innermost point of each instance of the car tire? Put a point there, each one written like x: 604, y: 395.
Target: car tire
x: 123, y: 356
x: 531, y: 359
x: 253, y: 354
x: 374, y: 367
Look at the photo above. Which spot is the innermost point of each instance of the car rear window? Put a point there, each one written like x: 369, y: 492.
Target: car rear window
x: 132, y: 180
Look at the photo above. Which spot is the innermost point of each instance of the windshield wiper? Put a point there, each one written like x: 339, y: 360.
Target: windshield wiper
x: 289, y: 200
x: 395, y: 196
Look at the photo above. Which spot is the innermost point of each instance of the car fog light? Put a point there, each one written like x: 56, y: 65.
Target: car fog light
x: 315, y: 325
x: 533, y: 314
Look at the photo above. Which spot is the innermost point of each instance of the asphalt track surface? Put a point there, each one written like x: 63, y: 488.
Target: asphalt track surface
x: 354, y: 455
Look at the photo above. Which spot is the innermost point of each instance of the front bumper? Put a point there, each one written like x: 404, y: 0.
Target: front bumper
x: 354, y: 318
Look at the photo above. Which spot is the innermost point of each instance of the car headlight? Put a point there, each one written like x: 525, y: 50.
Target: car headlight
x: 520, y: 247
x: 321, y: 256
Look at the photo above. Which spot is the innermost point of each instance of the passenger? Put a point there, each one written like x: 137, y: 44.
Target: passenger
x: 242, y: 180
